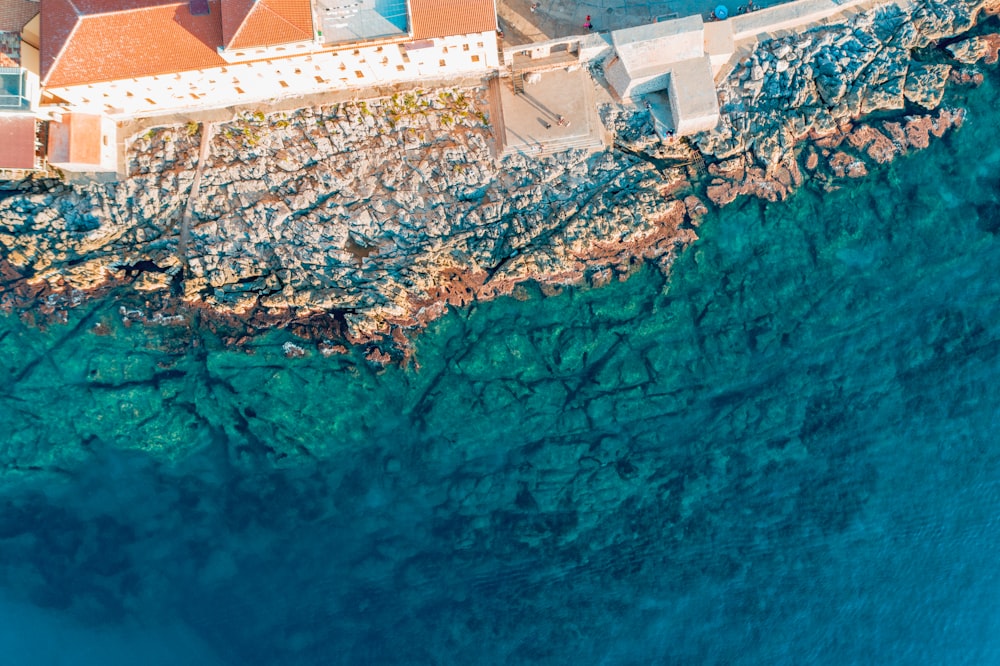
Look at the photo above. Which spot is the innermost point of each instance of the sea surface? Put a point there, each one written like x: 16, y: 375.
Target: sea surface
x: 786, y: 453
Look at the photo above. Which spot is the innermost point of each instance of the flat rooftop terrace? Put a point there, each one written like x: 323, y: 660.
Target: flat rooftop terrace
x: 360, y: 20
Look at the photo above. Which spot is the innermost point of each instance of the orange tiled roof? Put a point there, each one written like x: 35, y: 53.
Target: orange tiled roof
x: 88, y: 41
x: 17, y: 142
x: 14, y: 14
x: 441, y: 18
x: 10, y: 49
x: 249, y: 23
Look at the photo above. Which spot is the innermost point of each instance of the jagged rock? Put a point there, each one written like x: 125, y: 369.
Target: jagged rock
x: 971, y: 51
x: 389, y: 210
x: 925, y: 84
x: 843, y: 164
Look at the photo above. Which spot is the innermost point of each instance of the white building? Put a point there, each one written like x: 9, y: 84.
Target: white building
x: 123, y: 58
x: 19, y: 86
x: 84, y: 64
x: 679, y: 57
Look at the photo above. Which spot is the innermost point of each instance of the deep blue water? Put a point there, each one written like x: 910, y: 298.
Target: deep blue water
x: 784, y: 454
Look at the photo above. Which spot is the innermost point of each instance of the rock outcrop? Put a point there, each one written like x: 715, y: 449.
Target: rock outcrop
x: 359, y: 221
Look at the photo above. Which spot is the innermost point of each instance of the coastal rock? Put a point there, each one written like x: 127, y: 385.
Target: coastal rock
x: 925, y: 84
x: 356, y: 221
x: 966, y: 76
x: 740, y: 175
x: 877, y: 145
x: 843, y: 164
x: 981, y: 47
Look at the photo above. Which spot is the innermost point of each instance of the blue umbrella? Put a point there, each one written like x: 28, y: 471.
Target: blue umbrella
x: 721, y: 12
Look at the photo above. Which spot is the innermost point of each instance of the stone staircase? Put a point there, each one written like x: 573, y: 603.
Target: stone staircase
x: 591, y: 143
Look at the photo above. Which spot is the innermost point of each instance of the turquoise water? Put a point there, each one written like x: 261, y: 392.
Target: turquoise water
x: 785, y: 454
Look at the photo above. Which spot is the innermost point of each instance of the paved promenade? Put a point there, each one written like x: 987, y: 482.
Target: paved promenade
x: 562, y: 18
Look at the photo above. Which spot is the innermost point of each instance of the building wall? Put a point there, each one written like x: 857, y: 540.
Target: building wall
x: 281, y: 51
x: 659, y: 44
x: 694, y: 104
x: 627, y: 87
x: 280, y: 77
x: 617, y: 76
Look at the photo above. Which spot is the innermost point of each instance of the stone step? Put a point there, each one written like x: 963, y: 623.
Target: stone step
x: 582, y: 142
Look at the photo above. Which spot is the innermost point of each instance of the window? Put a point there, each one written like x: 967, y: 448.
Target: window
x: 298, y: 71
x: 239, y: 90
x: 358, y: 74
x: 147, y: 100
x: 442, y: 63
x: 475, y: 58
x: 400, y: 68
x: 283, y: 84
x: 319, y: 79
x: 465, y: 47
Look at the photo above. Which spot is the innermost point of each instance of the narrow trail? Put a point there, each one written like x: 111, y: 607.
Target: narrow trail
x: 206, y: 140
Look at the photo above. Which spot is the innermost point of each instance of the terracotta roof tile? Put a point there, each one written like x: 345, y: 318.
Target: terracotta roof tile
x: 162, y: 39
x: 113, y: 6
x: 58, y: 20
x: 10, y: 49
x: 248, y: 24
x: 441, y: 18
x: 14, y: 14
x: 17, y: 142
x: 234, y: 12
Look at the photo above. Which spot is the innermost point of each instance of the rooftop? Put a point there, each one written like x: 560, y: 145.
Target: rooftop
x: 14, y: 14
x: 83, y: 47
x: 342, y: 21
x: 250, y: 24
x: 439, y: 18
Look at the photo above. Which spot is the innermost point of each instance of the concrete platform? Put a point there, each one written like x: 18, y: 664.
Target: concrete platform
x: 530, y: 118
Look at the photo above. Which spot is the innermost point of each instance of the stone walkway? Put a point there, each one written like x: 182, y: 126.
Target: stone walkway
x: 563, y: 18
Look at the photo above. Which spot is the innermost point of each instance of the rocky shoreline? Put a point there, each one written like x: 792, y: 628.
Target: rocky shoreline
x: 358, y: 223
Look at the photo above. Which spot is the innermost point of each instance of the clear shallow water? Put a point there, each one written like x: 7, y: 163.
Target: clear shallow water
x: 786, y: 455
